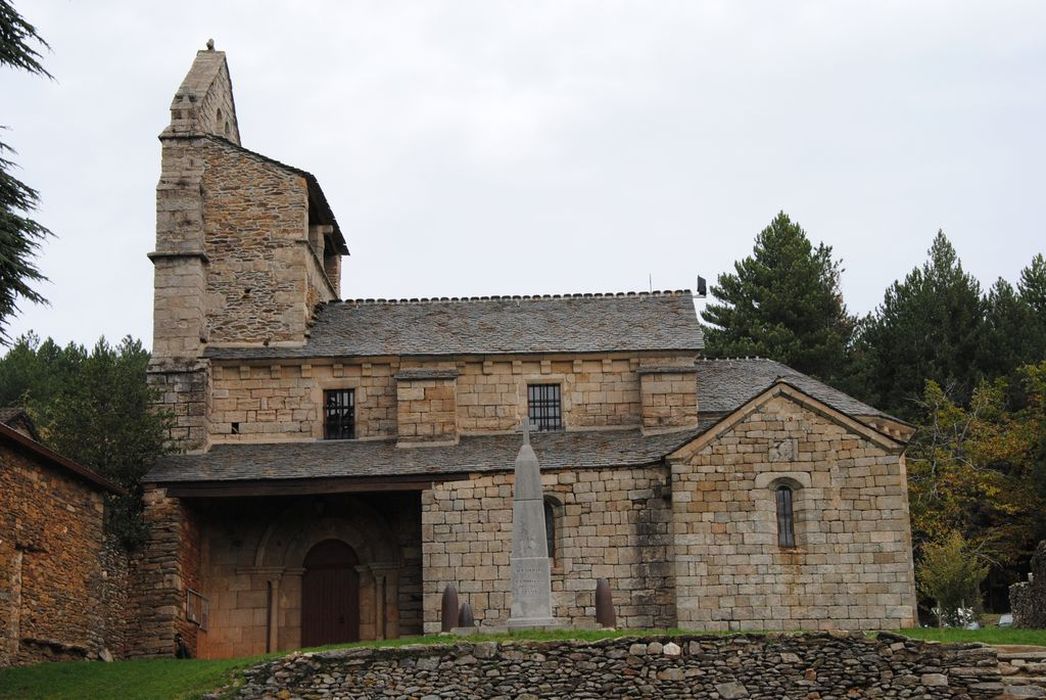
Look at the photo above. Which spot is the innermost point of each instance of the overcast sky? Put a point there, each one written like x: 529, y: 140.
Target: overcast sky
x: 484, y: 147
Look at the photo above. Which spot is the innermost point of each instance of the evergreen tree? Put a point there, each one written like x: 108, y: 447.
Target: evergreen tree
x: 1033, y: 285
x: 1032, y: 291
x: 782, y: 302
x: 929, y: 327
x: 1011, y: 334
x: 94, y: 407
x: 20, y: 235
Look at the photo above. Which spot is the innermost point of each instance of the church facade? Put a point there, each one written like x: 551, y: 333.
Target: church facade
x: 344, y: 461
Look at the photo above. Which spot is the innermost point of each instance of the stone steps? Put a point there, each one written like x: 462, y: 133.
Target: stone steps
x: 1023, y: 671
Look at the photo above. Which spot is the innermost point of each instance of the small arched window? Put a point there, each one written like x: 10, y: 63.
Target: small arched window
x: 550, y: 528
x: 785, y: 497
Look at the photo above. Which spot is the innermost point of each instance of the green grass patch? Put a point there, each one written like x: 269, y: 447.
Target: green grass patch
x: 141, y: 679
x: 986, y: 635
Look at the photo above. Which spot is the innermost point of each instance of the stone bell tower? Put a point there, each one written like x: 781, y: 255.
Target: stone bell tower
x: 246, y: 247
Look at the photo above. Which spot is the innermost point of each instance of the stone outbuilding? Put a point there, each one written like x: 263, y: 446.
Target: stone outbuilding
x: 345, y: 460
x: 52, y: 574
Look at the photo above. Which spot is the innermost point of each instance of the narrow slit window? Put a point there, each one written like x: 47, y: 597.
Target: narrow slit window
x: 545, y: 407
x: 550, y: 529
x: 785, y: 517
x: 339, y: 414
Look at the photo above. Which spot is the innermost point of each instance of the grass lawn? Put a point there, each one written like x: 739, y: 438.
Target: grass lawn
x: 986, y: 635
x: 173, y: 679
x: 142, y: 679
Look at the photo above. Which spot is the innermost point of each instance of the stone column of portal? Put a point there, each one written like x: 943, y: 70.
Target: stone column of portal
x: 531, y: 573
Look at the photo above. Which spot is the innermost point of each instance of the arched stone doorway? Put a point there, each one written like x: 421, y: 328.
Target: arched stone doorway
x: 330, y: 611
x: 280, y: 557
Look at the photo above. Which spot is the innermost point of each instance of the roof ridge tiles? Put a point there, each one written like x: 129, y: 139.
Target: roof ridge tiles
x: 518, y: 297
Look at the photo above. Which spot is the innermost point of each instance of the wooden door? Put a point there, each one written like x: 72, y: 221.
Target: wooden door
x: 330, y: 595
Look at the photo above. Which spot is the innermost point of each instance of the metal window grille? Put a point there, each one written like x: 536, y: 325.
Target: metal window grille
x: 544, y: 407
x: 339, y: 414
x: 197, y: 608
x: 785, y: 517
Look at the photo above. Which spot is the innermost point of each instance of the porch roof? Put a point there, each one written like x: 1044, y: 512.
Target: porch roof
x: 369, y: 459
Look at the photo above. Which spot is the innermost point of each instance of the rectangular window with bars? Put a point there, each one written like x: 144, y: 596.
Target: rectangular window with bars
x: 339, y: 414
x: 544, y: 407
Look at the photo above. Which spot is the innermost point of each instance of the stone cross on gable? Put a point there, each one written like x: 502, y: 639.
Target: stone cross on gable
x: 526, y: 426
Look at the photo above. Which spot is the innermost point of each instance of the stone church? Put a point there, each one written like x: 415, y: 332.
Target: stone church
x: 344, y: 460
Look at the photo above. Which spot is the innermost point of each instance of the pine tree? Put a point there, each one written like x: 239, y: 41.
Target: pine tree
x: 1011, y: 332
x: 93, y: 406
x: 20, y: 235
x: 929, y: 327
x: 782, y: 302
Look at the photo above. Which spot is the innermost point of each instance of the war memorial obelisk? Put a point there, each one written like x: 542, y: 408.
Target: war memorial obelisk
x: 531, y: 572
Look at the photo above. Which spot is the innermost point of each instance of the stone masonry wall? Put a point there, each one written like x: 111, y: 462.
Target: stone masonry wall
x: 669, y: 397
x: 852, y: 566
x: 50, y: 573
x: 167, y: 565
x: 426, y: 410
x: 182, y: 390
x: 256, y: 224
x: 179, y: 262
x: 611, y: 523
x: 203, y: 103
x: 283, y: 400
x: 804, y: 667
x: 272, y: 402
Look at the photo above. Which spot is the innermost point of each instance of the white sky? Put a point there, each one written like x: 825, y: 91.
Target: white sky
x: 485, y: 147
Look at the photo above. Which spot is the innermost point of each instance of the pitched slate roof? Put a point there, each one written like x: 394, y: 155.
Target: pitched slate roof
x: 353, y: 458
x: 495, y: 325
x: 723, y: 385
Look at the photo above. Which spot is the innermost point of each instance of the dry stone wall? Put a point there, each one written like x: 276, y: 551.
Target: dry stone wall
x: 1028, y: 598
x: 610, y: 523
x: 851, y: 567
x: 804, y: 667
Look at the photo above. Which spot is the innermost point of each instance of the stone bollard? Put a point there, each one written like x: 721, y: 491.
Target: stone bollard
x: 465, y: 618
x: 605, y: 615
x: 449, y: 609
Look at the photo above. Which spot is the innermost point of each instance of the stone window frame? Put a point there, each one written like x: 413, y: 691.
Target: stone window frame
x: 319, y: 398
x: 546, y: 379
x: 784, y: 502
x: 566, y: 398
x: 797, y: 482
